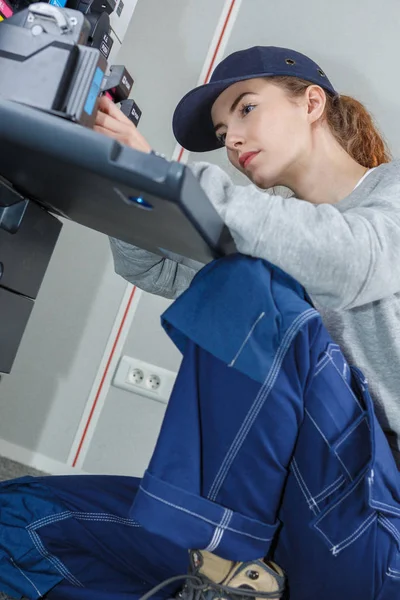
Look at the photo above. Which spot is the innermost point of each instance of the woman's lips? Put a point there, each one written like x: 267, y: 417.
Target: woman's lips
x: 245, y: 159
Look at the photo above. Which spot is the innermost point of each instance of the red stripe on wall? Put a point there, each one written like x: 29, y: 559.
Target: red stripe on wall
x: 214, y: 57
x: 99, y: 390
x: 101, y: 384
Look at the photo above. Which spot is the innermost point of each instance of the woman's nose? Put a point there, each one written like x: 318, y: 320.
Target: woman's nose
x: 233, y: 140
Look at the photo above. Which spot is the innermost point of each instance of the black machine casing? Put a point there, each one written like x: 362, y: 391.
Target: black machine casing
x: 84, y: 176
x: 48, y: 70
x: 28, y: 235
x: 51, y: 165
x: 97, y: 13
x: 93, y: 180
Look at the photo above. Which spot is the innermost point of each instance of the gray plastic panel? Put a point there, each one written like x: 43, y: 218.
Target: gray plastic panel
x: 15, y: 311
x: 89, y: 178
x: 25, y: 255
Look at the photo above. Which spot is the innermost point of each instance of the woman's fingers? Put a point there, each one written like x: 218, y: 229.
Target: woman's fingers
x: 111, y: 121
x: 104, y: 131
x: 108, y: 107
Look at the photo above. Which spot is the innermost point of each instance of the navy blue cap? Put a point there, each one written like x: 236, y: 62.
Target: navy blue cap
x: 192, y: 124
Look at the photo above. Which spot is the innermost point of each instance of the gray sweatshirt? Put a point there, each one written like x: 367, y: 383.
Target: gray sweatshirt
x: 346, y: 255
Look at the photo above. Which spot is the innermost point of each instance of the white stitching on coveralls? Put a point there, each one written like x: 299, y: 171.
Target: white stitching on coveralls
x: 343, y: 465
x: 211, y: 545
x: 355, y: 535
x: 259, y: 401
x: 330, y: 489
x: 321, y: 365
x: 224, y: 529
x: 350, y: 491
x: 26, y: 577
x: 59, y: 516
x: 353, y: 428
x: 326, y: 537
x: 56, y: 562
x: 303, y: 486
x: 317, y: 427
x: 388, y: 525
x: 81, y: 516
x: 49, y: 520
x: 246, y: 339
x: 219, y: 531
x: 325, y: 358
x: 348, y: 387
x: 392, y: 508
x: 392, y: 575
x: 193, y: 514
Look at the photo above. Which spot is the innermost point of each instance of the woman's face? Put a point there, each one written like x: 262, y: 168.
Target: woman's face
x: 258, y: 117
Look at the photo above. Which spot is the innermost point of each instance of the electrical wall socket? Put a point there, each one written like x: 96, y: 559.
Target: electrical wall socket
x: 142, y: 378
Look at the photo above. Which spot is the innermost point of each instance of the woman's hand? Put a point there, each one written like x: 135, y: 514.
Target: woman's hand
x: 111, y: 121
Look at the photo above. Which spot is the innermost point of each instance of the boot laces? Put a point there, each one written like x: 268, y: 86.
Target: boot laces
x: 198, y: 587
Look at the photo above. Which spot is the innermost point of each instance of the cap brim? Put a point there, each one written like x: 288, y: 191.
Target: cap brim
x: 192, y: 124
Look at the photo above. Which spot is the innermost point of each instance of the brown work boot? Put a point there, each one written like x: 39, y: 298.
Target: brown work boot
x: 242, y: 580
x: 214, y: 578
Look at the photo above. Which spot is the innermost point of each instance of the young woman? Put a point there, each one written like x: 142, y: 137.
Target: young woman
x: 282, y: 123
x: 270, y: 459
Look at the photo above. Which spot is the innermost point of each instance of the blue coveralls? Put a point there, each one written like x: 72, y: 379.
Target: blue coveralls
x: 269, y: 446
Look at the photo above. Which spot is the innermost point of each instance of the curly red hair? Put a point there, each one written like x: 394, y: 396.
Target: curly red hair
x: 350, y: 122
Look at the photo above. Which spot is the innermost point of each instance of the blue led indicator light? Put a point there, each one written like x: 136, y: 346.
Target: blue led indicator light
x: 141, y: 202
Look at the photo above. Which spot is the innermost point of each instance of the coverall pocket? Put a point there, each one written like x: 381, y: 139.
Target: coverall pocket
x: 334, y: 443
x: 388, y: 569
x: 353, y: 449
x: 371, y: 500
x: 348, y: 428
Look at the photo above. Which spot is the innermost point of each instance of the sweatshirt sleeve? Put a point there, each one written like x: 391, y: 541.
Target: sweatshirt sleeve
x: 343, y: 259
x: 167, y: 277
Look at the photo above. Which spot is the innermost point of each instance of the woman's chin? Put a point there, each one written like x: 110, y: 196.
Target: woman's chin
x: 262, y: 182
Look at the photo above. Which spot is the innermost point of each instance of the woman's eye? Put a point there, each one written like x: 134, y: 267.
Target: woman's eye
x: 243, y: 110
x: 221, y: 137
x: 246, y: 109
